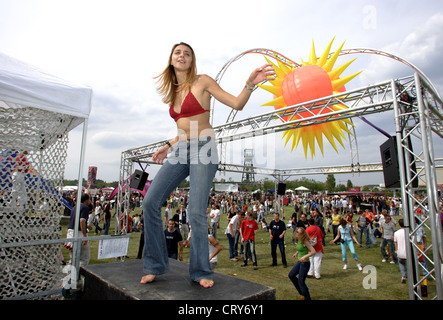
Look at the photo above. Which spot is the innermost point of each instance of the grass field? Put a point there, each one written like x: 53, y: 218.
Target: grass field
x: 383, y: 279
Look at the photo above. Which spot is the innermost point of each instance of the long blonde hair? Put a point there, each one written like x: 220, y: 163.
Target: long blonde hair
x: 167, y: 80
x: 302, y: 235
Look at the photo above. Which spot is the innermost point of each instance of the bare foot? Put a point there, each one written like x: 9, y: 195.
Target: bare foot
x: 206, y: 283
x: 147, y: 279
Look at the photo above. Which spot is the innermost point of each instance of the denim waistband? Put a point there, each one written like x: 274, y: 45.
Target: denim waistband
x: 200, y: 139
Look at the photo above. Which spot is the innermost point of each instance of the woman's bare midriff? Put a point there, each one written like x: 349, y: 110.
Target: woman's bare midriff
x: 197, y: 126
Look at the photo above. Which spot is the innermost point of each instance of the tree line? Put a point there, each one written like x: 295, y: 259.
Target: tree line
x: 99, y: 184
x: 265, y: 184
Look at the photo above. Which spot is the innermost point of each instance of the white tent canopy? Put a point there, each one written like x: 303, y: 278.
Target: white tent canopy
x: 22, y: 85
x: 301, y: 189
x: 226, y: 187
x: 38, y: 107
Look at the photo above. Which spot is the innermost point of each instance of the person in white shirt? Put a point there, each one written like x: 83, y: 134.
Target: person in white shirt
x: 261, y: 213
x: 266, y: 206
x: 332, y: 202
x: 388, y: 229
x: 344, y: 204
x: 168, y: 214
x: 223, y: 206
x: 400, y: 247
x: 97, y: 217
x: 231, y: 231
x: 214, y: 248
x: 215, y: 219
x: 183, y: 221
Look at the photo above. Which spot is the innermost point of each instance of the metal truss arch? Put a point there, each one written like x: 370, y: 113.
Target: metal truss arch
x: 353, y: 144
x: 390, y: 56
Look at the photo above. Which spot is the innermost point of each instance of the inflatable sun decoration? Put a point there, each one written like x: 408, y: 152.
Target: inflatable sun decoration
x: 314, y: 79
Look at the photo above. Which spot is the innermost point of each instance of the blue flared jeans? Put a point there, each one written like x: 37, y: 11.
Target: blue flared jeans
x: 198, y: 159
x: 301, y: 270
x: 231, y: 241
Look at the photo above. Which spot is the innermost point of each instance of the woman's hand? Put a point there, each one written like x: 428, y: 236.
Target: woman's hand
x: 261, y: 74
x: 160, y: 154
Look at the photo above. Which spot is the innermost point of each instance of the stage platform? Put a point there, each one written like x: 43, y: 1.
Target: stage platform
x: 120, y: 281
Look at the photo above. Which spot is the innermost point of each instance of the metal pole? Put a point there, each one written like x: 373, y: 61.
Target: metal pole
x: 434, y: 180
x: 430, y: 187
x: 405, y: 199
x: 77, y: 245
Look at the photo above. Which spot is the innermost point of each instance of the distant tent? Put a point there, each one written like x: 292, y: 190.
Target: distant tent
x: 72, y: 188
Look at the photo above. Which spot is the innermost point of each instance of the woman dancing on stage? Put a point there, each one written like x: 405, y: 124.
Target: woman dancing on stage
x: 194, y: 154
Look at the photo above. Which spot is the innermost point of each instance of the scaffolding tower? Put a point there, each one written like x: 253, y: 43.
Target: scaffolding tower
x: 248, y: 175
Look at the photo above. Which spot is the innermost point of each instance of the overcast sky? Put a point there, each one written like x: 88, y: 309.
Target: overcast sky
x: 117, y: 47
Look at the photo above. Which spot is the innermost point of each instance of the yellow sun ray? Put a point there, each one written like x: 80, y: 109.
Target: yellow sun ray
x: 324, y: 57
x: 286, y: 69
x: 310, y: 135
x: 278, y: 71
x: 277, y: 82
x: 327, y: 131
x: 344, y: 127
x: 296, y: 140
x: 334, y: 74
x: 289, y: 134
x: 337, y: 133
x: 312, y: 56
x: 338, y: 83
x: 279, y: 102
x: 305, y: 140
x: 319, y: 138
x: 330, y: 63
x: 275, y: 90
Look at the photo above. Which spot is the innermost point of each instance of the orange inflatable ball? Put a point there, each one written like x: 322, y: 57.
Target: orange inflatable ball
x: 306, y: 83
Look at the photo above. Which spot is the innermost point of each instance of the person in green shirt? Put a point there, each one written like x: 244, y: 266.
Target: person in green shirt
x: 301, y: 268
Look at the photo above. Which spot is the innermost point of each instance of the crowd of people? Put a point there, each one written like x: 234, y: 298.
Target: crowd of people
x: 350, y: 221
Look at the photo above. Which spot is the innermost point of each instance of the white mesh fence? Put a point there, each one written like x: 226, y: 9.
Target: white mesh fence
x: 33, y: 149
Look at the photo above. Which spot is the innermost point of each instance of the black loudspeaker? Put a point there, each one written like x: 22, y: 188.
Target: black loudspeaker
x: 138, y: 180
x: 281, y: 189
x: 391, y: 169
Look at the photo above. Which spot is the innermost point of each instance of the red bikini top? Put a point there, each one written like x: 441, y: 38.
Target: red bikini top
x: 190, y: 107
